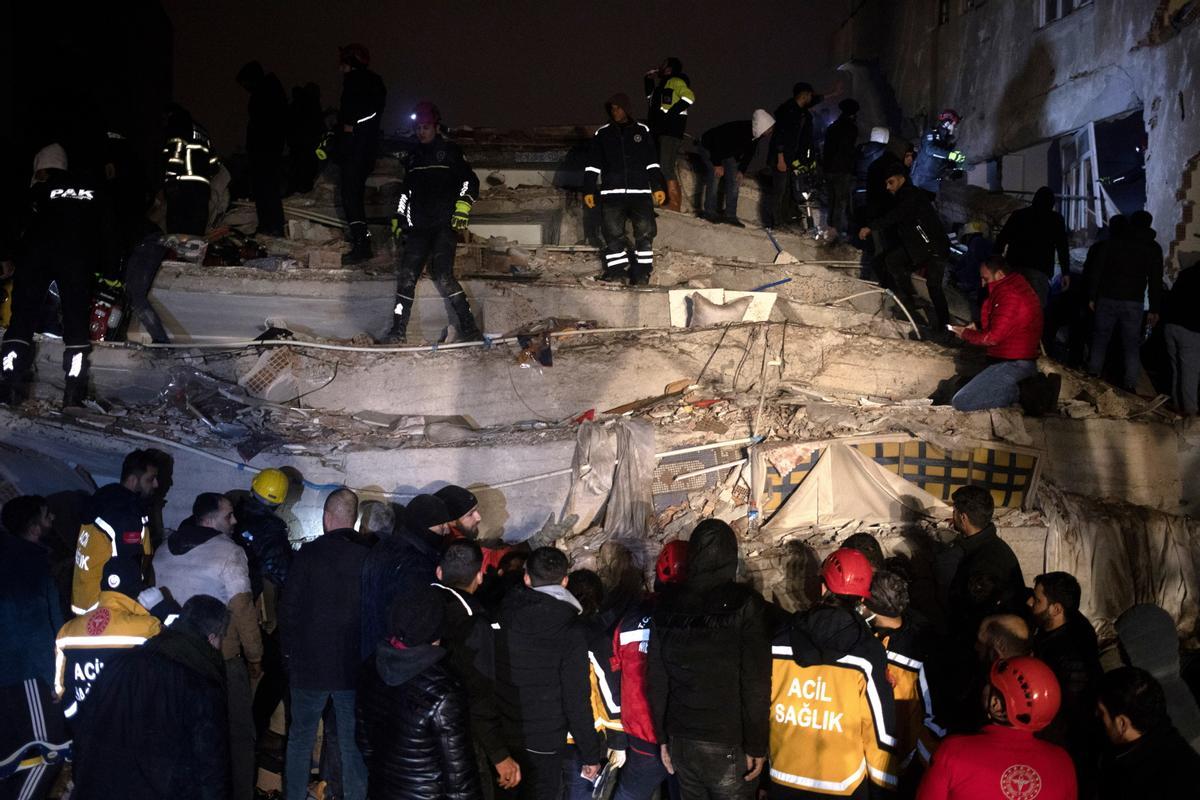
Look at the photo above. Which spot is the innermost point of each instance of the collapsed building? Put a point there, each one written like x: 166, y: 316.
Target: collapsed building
x: 757, y: 379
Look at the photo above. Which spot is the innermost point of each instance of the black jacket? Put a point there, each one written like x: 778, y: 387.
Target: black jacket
x: 1159, y: 765
x: 874, y: 163
x: 793, y: 134
x: 400, y: 562
x: 622, y: 160
x: 988, y: 580
x: 363, y: 96
x: 266, y: 129
x: 730, y: 140
x: 1182, y: 305
x: 71, y: 226
x: 1130, y: 267
x: 469, y: 638
x: 840, y: 140
x: 412, y: 727
x: 155, y: 724
x: 436, y: 177
x: 542, y: 670
x: 709, y: 663
x: 264, y: 537
x: 1073, y: 652
x: 1033, y: 236
x: 914, y: 222
x: 320, y: 612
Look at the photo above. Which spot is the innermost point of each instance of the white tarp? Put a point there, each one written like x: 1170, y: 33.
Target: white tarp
x: 612, y: 475
x: 845, y: 486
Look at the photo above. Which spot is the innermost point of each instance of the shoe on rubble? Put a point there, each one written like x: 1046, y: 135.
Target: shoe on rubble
x: 393, y: 336
x: 734, y: 221
x: 611, y: 277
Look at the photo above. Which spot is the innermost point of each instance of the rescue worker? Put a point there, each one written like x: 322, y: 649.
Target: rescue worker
x: 920, y: 241
x: 623, y: 169
x: 643, y: 771
x: 261, y: 533
x: 363, y: 97
x: 70, y: 237
x: 1005, y: 760
x: 116, y: 525
x: 119, y: 621
x: 833, y: 723
x: 435, y: 204
x: 669, y: 94
x: 463, y: 506
x: 190, y: 163
x: 793, y: 152
x: 936, y: 157
x: 266, y: 134
x: 907, y: 642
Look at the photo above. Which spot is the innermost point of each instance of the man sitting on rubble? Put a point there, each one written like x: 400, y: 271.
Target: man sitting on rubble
x: 1010, y: 327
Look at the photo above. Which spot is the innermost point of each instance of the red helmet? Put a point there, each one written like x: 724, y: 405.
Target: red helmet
x: 847, y: 572
x: 1030, y: 691
x: 426, y: 113
x: 355, y: 54
x: 949, y: 115
x: 672, y: 562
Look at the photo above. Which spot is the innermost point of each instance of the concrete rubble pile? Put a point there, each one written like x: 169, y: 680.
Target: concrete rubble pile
x: 595, y: 413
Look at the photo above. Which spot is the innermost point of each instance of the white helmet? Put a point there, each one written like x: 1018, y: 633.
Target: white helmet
x: 880, y: 135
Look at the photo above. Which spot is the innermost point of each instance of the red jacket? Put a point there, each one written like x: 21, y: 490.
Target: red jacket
x: 999, y: 763
x: 1011, y: 321
x: 631, y: 643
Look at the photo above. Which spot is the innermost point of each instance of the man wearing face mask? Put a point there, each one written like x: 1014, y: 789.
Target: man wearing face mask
x: 435, y: 204
x: 833, y: 720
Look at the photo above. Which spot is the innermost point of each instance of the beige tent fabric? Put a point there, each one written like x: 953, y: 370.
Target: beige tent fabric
x: 846, y: 486
x: 1123, y: 554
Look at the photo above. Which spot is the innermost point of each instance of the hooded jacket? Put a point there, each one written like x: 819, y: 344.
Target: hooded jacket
x: 999, y: 763
x: 320, y: 612
x: 622, y: 159
x: 412, y: 726
x: 1130, y: 270
x: 1033, y: 236
x: 709, y: 673
x: 915, y: 223
x: 155, y: 726
x: 199, y: 560
x: 833, y: 724
x: 363, y: 97
x: 1010, y: 321
x: 542, y: 673
x: 436, y: 177
x: 116, y: 523
x: 1149, y: 640
x: 400, y: 562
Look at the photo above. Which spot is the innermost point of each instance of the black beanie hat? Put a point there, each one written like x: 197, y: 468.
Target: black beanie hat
x: 124, y: 575
x: 426, y: 511
x: 416, y: 616
x: 459, y: 501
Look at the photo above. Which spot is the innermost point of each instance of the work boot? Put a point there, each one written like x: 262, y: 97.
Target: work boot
x: 468, y: 331
x: 612, y: 276
x: 734, y: 221
x: 13, y: 392
x: 639, y: 278
x: 398, y: 333
x: 74, y: 392
x: 674, y: 196
x: 361, y: 251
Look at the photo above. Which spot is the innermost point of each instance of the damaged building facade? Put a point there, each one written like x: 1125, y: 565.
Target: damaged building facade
x: 1042, y: 86
x: 757, y: 379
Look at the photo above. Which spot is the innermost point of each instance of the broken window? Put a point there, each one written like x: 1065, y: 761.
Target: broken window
x: 1051, y: 10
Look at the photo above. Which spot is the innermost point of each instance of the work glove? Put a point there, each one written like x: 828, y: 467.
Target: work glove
x: 325, y: 146
x: 589, y: 200
x: 397, y: 229
x: 660, y: 197
x: 461, y: 217
x: 616, y: 758
x: 957, y: 156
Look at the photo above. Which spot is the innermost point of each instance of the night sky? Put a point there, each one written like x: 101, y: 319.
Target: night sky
x: 508, y: 64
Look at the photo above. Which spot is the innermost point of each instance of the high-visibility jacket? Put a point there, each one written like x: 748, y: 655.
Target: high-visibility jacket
x: 630, y: 646
x: 189, y: 155
x: 604, y: 684
x: 917, y: 731
x: 669, y: 103
x: 117, y: 525
x: 622, y: 161
x: 832, y: 719
x: 85, y: 644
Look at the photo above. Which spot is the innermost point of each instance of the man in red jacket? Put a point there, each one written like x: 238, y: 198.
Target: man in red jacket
x: 1010, y: 328
x: 1004, y: 761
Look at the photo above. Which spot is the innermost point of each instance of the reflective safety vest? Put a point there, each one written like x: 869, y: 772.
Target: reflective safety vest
x: 828, y: 726
x: 100, y: 540
x: 917, y: 731
x: 190, y: 158
x: 85, y: 644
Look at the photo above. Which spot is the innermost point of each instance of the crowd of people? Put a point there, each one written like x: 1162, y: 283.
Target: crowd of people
x: 439, y: 664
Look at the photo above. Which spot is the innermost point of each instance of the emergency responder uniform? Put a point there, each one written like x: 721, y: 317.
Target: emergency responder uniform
x: 669, y: 95
x: 117, y: 526
x: 622, y: 168
x: 363, y: 96
x: 936, y: 156
x: 436, y: 197
x: 190, y: 163
x: 832, y: 718
x: 71, y: 236
x: 261, y: 533
x: 1004, y: 761
x: 118, y: 622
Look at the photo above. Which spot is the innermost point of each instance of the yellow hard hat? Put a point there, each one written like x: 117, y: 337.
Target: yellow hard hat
x: 270, y: 486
